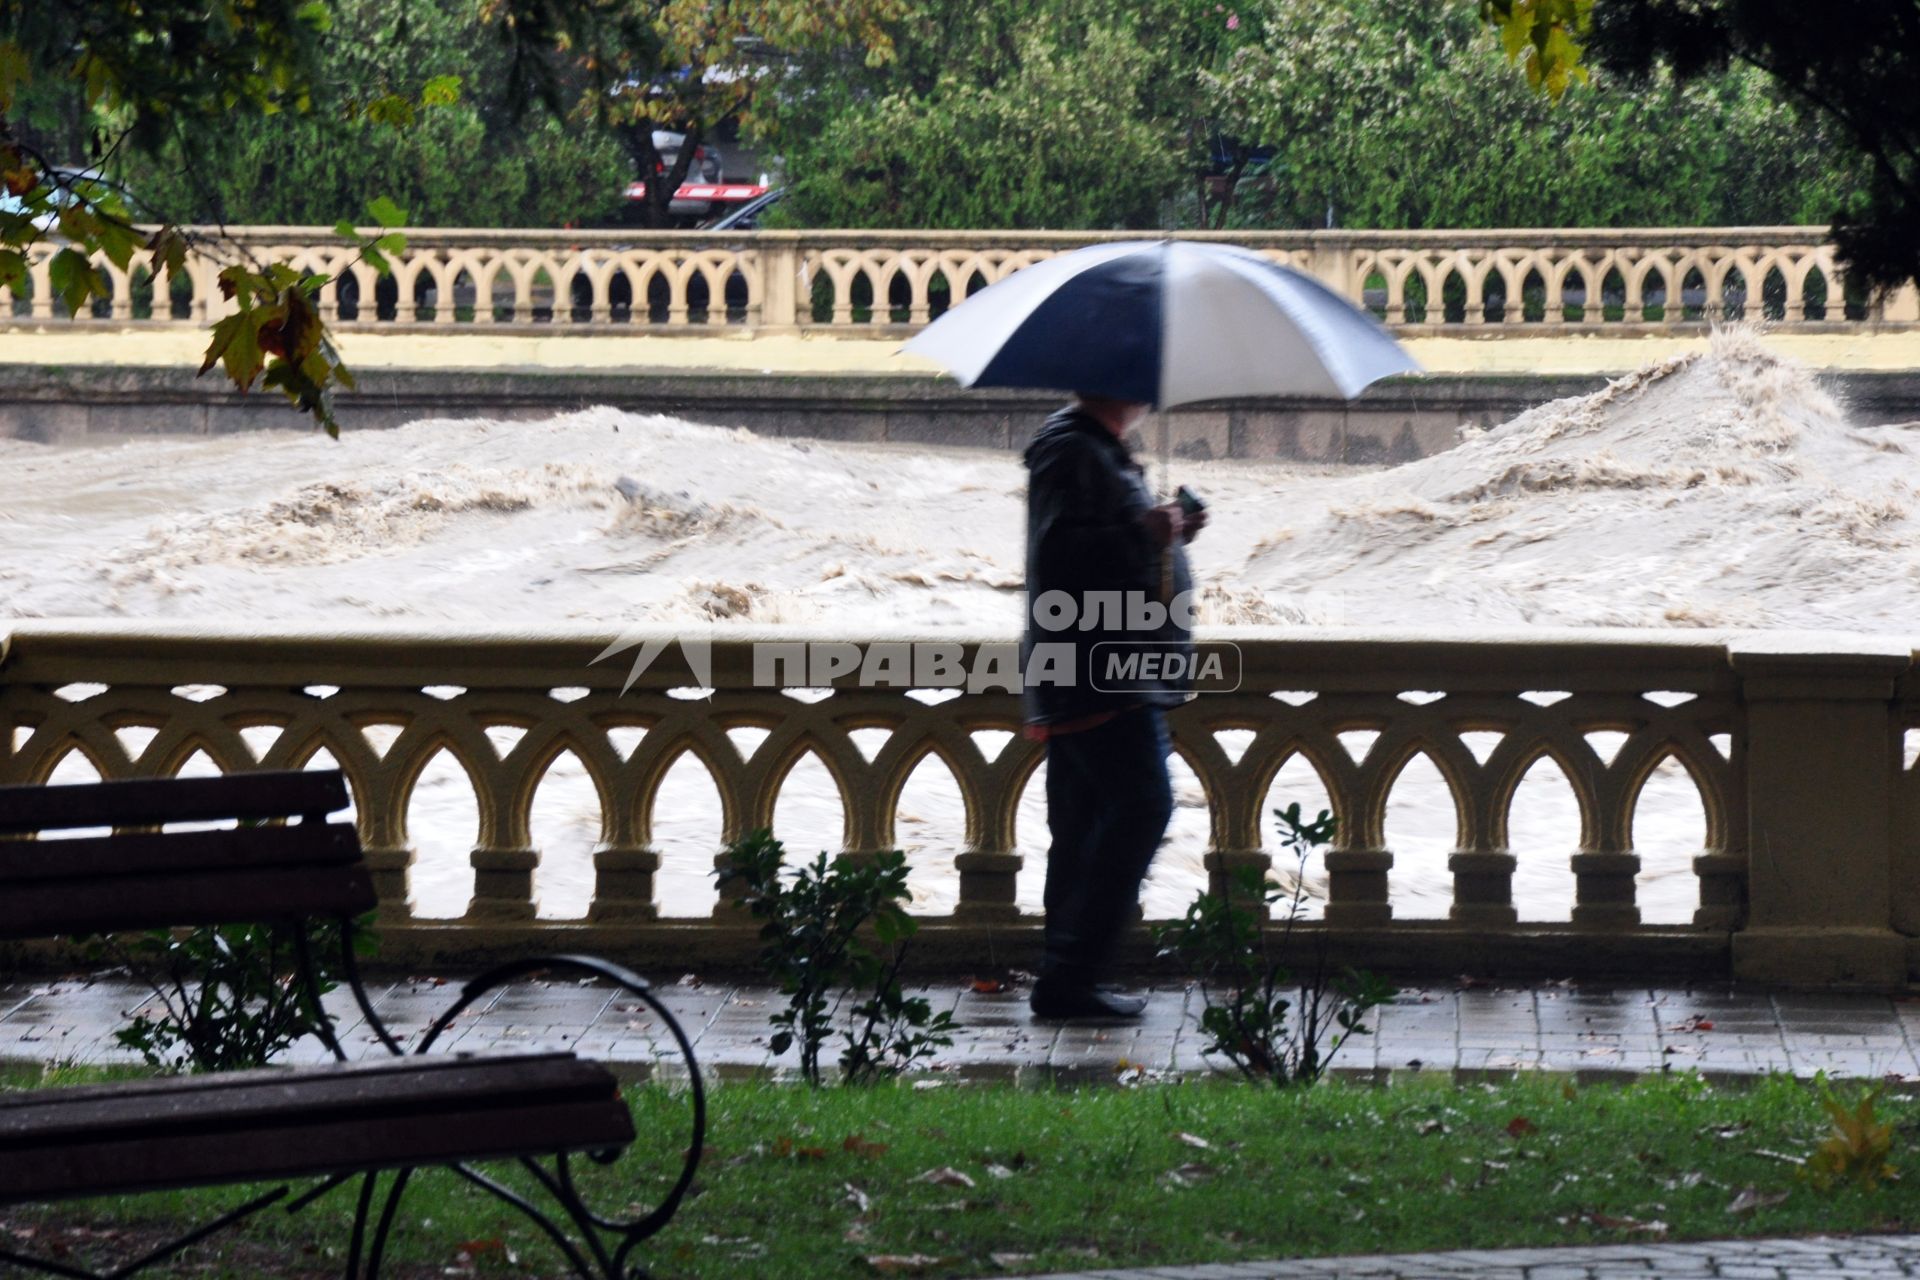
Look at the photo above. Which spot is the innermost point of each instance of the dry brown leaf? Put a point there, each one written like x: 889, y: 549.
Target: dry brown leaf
x: 946, y: 1176
x: 857, y: 1144
x: 1520, y: 1127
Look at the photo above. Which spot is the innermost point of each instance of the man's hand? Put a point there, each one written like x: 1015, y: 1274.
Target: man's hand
x: 1165, y: 523
x: 1191, y: 525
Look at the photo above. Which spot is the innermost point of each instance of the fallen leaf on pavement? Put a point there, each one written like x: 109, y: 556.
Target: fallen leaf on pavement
x: 989, y: 986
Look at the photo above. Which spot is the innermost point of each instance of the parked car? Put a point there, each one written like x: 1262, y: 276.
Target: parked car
x: 706, y: 164
x: 745, y: 217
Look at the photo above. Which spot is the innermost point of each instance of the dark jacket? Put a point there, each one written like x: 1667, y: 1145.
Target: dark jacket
x: 1085, y: 498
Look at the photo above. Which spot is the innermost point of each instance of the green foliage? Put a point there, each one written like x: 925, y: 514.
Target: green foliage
x: 276, y: 110
x: 1548, y: 33
x: 229, y: 996
x: 1384, y: 113
x: 1857, y: 1144
x: 407, y: 108
x: 1400, y: 113
x: 1249, y: 1015
x: 999, y: 114
x: 812, y: 919
x: 688, y: 65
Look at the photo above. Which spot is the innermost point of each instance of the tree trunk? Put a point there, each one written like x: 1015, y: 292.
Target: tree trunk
x: 656, y: 208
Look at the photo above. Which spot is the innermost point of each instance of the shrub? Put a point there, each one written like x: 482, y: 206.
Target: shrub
x: 813, y: 919
x: 230, y: 995
x: 1250, y: 1015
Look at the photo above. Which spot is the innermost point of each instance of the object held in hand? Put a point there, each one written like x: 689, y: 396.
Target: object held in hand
x: 1190, y: 503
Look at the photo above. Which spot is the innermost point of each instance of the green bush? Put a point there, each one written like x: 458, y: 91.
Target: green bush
x: 1092, y: 114
x: 464, y: 163
x: 813, y: 918
x: 1250, y: 1016
x: 230, y: 996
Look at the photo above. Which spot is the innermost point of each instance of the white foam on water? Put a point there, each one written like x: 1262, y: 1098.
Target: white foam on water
x: 1718, y: 490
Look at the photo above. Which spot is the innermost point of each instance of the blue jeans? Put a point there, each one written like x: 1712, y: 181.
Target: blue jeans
x: 1108, y: 803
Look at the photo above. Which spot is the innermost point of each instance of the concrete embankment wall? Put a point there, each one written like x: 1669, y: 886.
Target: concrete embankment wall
x: 1394, y: 421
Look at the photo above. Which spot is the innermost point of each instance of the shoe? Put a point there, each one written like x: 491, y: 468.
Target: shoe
x: 1053, y: 1002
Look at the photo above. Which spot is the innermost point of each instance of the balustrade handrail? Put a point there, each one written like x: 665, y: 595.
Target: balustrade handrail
x: 1486, y: 281
x: 1795, y: 743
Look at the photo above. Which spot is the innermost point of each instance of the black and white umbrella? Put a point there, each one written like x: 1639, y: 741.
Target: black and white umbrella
x: 1163, y: 322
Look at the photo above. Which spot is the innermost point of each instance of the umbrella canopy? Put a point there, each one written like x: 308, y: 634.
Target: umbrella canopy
x: 1165, y: 322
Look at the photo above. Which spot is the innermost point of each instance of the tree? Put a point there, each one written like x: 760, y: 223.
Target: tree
x: 994, y: 113
x: 1852, y: 62
x: 1392, y: 113
x: 1042, y: 113
x: 470, y: 162
x: 690, y: 65
x: 171, y: 78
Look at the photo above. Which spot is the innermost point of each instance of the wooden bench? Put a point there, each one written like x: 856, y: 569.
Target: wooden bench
x: 334, y: 1122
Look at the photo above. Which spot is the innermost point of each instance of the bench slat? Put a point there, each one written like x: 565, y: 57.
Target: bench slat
x: 144, y: 802
x: 316, y: 1095
x: 271, y: 1154
x: 148, y: 852
x: 185, y: 1086
x: 150, y: 1134
x: 53, y: 908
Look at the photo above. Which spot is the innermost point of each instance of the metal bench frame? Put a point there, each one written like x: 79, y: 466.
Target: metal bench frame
x: 601, y: 1246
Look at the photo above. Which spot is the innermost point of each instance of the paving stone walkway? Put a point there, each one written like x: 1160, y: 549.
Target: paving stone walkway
x: 1473, y: 1032
x: 1813, y: 1258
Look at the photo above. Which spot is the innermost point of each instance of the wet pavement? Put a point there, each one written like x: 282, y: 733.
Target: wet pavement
x: 1473, y: 1032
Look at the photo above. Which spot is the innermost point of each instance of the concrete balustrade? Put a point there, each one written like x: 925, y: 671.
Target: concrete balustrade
x: 1483, y: 282
x: 1795, y: 743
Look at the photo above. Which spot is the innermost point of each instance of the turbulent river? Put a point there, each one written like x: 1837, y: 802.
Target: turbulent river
x: 1720, y: 491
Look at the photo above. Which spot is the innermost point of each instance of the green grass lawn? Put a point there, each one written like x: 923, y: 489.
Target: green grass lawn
x: 804, y: 1183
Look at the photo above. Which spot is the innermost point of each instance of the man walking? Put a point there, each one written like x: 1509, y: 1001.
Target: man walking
x: 1106, y: 578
